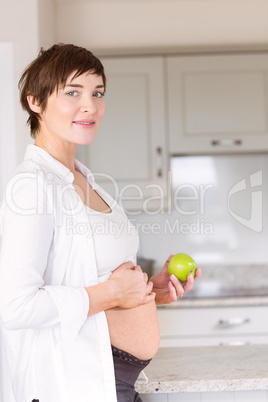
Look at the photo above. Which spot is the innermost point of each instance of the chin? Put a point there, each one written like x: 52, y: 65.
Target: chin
x: 86, y: 140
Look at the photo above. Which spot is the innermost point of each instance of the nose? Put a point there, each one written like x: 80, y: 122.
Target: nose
x: 88, y: 105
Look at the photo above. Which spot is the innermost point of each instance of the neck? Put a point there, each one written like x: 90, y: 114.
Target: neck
x: 62, y: 151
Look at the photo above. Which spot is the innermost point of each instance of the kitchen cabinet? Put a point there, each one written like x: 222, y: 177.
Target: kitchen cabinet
x: 217, y: 103
x: 129, y: 156
x: 219, y: 326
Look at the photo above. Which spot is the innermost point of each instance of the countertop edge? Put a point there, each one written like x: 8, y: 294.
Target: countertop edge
x: 188, y: 302
x: 155, y: 387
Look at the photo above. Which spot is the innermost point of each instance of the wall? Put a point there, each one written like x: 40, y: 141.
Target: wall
x: 127, y: 25
x: 46, y: 22
x: 21, y: 27
x: 8, y: 154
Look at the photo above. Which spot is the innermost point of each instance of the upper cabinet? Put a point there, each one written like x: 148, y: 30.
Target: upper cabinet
x: 128, y: 156
x: 217, y: 103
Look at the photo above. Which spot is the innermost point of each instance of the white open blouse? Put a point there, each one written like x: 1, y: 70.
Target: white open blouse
x: 52, y: 247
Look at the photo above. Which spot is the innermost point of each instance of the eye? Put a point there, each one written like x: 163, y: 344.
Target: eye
x: 98, y: 94
x: 72, y: 93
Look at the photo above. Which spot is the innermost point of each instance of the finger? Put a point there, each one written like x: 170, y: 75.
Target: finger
x: 165, y: 268
x: 189, y: 284
x: 197, y: 273
x: 149, y: 287
x: 177, y: 285
x: 126, y: 265
x: 172, y: 291
x: 169, y: 258
x: 149, y: 298
x: 138, y: 268
x: 145, y: 277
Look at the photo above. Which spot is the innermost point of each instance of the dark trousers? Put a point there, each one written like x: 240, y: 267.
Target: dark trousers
x: 127, y: 369
x: 126, y: 392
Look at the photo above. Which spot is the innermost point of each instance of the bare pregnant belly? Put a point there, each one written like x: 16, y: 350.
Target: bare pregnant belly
x: 135, y: 330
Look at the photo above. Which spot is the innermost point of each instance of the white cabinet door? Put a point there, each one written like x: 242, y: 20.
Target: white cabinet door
x: 213, y: 326
x: 128, y: 154
x: 218, y: 103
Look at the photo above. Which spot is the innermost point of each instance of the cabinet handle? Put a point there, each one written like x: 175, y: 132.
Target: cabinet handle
x: 234, y: 343
x: 226, y: 143
x: 159, y: 165
x: 233, y: 322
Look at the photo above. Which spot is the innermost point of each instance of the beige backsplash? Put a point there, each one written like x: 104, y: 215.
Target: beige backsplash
x: 236, y: 276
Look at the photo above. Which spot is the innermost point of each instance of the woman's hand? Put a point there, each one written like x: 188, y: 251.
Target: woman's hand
x: 127, y: 287
x: 131, y: 286
x: 168, y: 288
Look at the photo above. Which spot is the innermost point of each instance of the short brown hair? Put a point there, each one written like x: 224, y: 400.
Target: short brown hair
x: 49, y: 71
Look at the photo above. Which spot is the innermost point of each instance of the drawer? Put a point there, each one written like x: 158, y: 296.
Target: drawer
x: 213, y: 321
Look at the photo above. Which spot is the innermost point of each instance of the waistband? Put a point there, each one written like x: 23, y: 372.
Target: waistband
x: 126, y: 366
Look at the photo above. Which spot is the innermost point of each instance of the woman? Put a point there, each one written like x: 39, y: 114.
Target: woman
x: 68, y: 292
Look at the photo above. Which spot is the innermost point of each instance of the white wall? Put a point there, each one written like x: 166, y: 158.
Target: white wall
x: 8, y: 152
x: 46, y: 20
x: 20, y: 26
x: 102, y: 25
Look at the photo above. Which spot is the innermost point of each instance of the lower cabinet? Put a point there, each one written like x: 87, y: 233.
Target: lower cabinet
x: 213, y: 326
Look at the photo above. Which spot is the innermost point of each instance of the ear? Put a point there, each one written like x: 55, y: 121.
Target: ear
x: 34, y: 104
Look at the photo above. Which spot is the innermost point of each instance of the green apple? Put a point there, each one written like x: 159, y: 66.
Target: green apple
x: 181, y: 265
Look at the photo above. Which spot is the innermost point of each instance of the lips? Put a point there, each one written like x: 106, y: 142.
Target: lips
x: 85, y: 123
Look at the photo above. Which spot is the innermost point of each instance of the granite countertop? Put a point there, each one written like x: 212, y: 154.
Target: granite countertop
x: 206, y: 369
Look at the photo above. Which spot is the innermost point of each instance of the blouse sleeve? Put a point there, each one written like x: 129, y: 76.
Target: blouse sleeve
x: 27, y: 232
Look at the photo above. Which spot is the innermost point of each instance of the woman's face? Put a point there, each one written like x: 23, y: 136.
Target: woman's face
x: 74, y: 113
